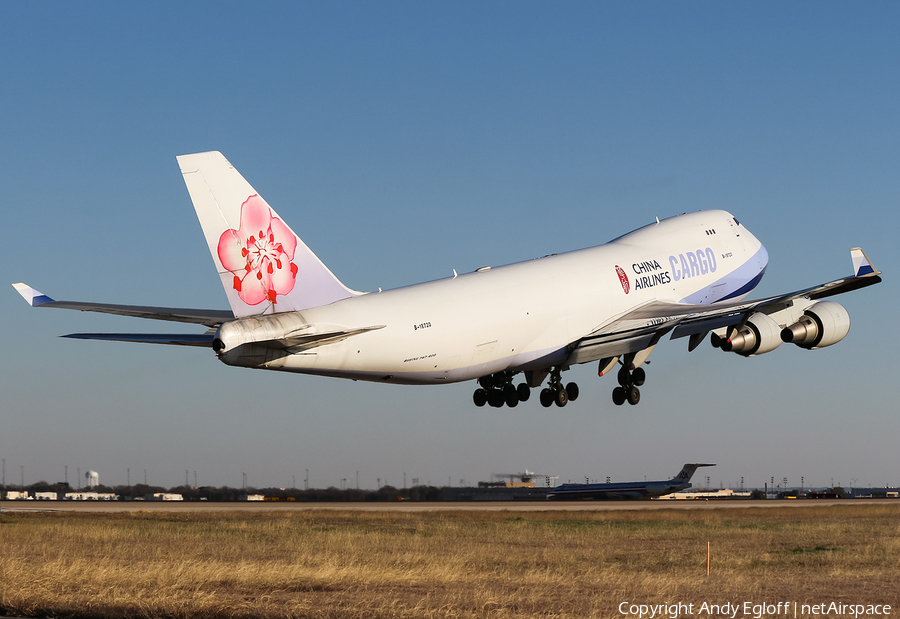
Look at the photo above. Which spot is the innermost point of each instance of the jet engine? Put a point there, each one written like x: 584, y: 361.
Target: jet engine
x: 759, y: 335
x: 821, y: 325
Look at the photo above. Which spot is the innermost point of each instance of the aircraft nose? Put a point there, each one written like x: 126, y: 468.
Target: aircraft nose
x: 763, y: 257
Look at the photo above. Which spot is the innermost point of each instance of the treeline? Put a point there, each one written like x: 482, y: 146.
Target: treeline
x: 224, y: 493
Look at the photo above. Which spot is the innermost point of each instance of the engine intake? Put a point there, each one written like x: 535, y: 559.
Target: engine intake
x: 821, y: 325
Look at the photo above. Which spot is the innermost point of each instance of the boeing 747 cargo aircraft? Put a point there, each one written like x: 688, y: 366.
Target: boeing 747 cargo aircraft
x: 683, y: 277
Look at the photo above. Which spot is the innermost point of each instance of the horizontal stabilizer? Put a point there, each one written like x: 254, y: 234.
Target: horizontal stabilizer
x: 687, y: 472
x: 319, y: 339
x: 204, y: 340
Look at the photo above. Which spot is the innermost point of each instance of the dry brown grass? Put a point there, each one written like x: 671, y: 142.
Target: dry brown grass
x: 329, y: 564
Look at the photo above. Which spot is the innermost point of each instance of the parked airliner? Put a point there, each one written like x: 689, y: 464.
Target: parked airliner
x: 685, y: 276
x: 626, y: 490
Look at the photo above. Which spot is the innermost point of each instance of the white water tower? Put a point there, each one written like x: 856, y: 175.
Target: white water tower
x: 92, y: 479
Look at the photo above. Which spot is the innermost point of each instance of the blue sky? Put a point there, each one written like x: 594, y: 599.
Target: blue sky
x: 404, y: 140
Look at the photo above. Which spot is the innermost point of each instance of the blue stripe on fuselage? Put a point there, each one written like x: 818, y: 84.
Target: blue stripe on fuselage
x: 736, y: 283
x: 746, y: 288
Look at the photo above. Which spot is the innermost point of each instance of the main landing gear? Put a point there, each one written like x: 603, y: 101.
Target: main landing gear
x: 497, y: 390
x: 555, y: 393
x: 629, y: 381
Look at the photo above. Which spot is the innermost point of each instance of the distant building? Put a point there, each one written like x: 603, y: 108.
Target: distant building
x: 45, y: 496
x: 91, y: 496
x: 727, y: 493
x: 15, y: 495
x: 163, y: 496
x: 251, y: 497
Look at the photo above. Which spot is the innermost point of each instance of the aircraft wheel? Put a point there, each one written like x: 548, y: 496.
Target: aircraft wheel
x: 624, y: 377
x: 495, y: 398
x: 546, y: 397
x: 486, y: 382
x: 618, y: 396
x: 524, y: 392
x: 572, y: 390
x: 634, y: 395
x: 638, y: 376
x: 561, y: 397
x: 480, y: 397
x: 511, y: 396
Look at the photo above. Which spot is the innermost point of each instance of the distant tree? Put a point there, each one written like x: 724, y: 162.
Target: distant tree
x: 138, y: 490
x: 423, y: 493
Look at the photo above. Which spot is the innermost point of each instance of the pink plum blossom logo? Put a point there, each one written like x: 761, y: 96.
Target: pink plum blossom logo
x: 260, y: 254
x: 623, y: 278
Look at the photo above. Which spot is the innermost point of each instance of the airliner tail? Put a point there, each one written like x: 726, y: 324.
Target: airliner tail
x: 263, y: 264
x: 687, y: 472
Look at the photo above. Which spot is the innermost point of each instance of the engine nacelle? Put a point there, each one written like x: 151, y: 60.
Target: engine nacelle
x: 821, y: 325
x: 759, y: 335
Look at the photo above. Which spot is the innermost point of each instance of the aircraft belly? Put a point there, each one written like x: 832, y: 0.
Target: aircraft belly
x: 444, y: 359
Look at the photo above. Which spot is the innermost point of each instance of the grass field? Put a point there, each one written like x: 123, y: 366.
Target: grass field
x: 335, y: 564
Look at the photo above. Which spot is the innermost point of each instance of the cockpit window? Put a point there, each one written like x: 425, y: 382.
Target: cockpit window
x: 736, y: 221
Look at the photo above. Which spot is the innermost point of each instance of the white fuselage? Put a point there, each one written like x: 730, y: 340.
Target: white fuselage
x: 526, y: 315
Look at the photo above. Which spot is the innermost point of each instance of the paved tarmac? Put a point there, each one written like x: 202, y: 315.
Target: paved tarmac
x: 406, y: 506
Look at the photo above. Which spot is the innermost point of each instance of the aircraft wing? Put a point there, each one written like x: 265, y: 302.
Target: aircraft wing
x: 209, y: 318
x: 643, y: 327
x: 291, y: 342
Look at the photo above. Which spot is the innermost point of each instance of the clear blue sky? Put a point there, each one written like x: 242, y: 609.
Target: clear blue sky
x: 403, y: 140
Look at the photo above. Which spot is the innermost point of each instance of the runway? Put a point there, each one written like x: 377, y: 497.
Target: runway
x: 407, y: 506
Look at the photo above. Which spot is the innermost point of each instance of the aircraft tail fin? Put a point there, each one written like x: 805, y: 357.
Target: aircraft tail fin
x: 263, y: 264
x: 687, y: 471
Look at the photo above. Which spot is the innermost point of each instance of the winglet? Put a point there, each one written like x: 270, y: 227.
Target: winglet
x: 31, y: 295
x: 861, y: 264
